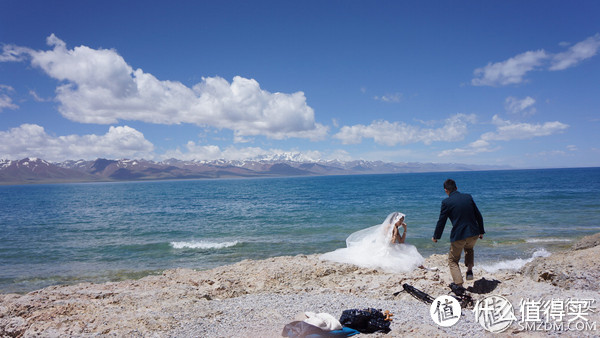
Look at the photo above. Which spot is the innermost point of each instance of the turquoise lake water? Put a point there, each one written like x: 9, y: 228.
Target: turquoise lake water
x: 69, y: 233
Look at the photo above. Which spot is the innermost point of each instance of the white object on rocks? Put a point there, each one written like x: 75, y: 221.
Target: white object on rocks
x: 324, y: 321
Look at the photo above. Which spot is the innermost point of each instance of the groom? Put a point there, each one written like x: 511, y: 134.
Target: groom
x: 467, y: 226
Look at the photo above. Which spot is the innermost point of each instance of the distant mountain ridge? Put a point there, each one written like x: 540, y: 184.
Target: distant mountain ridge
x: 35, y: 170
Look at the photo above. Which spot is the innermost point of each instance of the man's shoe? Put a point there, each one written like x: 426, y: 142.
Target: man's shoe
x: 458, y: 289
x: 470, y: 275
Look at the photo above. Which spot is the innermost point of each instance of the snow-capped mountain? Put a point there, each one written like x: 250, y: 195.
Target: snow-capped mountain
x: 34, y: 170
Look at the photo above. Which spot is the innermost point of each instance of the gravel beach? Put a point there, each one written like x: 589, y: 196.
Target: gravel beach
x: 258, y: 298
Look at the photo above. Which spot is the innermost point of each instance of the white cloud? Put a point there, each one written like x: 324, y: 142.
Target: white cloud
x: 31, y: 140
x: 507, y: 130
x: 395, y: 97
x: 36, y: 97
x: 473, y: 148
x: 513, y: 70
x: 510, y: 71
x: 100, y: 87
x: 338, y: 154
x: 12, y: 53
x: 577, y: 53
x: 5, y: 100
x: 556, y: 153
x: 391, y: 134
x: 194, y: 151
x: 523, y: 106
x: 551, y: 153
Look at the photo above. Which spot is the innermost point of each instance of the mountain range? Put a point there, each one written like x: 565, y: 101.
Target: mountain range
x: 35, y: 170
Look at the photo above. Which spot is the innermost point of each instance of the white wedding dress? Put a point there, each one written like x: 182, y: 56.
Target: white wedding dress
x: 372, y: 248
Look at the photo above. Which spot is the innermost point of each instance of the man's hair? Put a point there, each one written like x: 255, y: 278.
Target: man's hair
x: 450, y: 185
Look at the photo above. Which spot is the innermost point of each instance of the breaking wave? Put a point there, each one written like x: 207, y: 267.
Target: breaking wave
x: 514, y: 264
x: 202, y: 245
x: 547, y: 240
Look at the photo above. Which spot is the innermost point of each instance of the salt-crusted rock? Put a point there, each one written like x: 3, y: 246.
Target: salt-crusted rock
x: 570, y: 269
x: 587, y: 242
x: 12, y: 326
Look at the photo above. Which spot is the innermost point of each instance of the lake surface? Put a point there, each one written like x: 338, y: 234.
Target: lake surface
x: 69, y: 233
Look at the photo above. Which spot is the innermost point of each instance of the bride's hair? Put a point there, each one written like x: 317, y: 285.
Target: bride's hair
x: 395, y: 217
x: 392, y: 218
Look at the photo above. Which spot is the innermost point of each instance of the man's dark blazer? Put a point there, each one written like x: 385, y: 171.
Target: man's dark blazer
x: 464, y: 215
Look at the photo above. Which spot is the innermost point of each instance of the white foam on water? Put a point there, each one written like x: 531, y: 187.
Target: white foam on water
x: 547, y: 240
x: 513, y: 264
x: 203, y: 245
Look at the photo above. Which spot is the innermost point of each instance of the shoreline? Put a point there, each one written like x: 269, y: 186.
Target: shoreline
x: 29, y: 284
x: 115, y: 276
x: 258, y: 297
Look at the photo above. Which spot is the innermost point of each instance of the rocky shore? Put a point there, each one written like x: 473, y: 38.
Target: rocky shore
x: 258, y: 298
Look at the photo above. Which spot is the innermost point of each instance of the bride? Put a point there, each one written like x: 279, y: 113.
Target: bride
x: 379, y: 247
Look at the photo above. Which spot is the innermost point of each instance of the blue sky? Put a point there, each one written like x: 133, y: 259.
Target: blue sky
x: 478, y: 82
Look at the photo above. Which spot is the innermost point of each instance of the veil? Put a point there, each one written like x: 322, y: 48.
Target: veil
x: 373, y: 248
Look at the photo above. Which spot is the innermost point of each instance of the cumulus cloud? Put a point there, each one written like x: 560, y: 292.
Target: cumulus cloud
x: 506, y: 131
x: 31, y: 140
x: 98, y: 86
x: 393, y: 133
x: 5, y: 100
x: 513, y: 70
x: 520, y: 106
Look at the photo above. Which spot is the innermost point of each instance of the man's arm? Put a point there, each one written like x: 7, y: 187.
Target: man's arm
x: 479, y: 219
x: 441, y: 223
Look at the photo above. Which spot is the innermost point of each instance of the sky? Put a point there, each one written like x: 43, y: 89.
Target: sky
x: 513, y: 83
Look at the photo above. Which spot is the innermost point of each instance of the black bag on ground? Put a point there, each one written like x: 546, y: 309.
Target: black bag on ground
x: 365, y: 321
